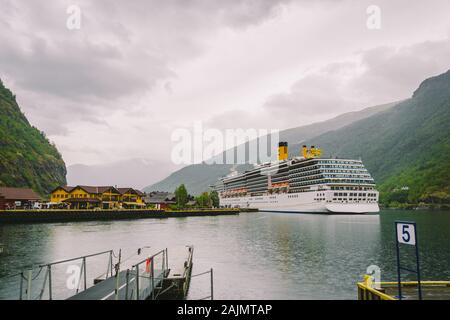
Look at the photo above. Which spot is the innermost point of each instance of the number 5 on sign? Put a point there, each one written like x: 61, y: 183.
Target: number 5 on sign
x: 406, y: 233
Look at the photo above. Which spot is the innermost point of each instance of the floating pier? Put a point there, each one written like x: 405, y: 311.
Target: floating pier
x: 176, y: 286
x: 148, y: 279
x: 431, y: 290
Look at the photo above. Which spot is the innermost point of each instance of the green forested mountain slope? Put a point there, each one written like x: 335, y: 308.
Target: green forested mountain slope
x: 27, y: 159
x: 406, y: 146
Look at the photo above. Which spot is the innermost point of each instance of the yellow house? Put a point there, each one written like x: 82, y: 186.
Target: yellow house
x: 105, y: 197
x: 59, y: 194
x: 110, y: 197
x: 131, y: 198
x: 84, y: 197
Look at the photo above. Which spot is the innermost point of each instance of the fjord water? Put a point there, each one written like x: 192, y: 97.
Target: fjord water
x: 254, y: 255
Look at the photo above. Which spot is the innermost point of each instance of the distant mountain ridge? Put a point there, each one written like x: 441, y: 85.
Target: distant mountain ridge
x: 199, y: 177
x: 135, y: 173
x: 27, y: 158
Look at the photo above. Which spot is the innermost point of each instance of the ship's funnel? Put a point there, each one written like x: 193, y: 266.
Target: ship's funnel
x: 305, y: 151
x: 282, y: 151
x: 312, y: 152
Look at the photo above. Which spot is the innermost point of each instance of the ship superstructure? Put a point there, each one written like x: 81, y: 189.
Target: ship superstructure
x: 307, y: 183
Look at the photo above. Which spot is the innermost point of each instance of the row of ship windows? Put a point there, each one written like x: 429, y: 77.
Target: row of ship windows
x: 352, y: 199
x: 353, y: 194
x: 312, y: 167
x: 338, y: 161
x: 309, y: 173
x: 350, y: 188
x: 295, y: 178
x: 308, y: 167
x: 305, y: 169
x: 322, y: 181
x: 279, y: 177
x: 336, y: 171
x: 330, y: 176
x: 296, y: 185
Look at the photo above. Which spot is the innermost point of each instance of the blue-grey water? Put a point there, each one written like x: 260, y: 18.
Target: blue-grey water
x: 254, y: 255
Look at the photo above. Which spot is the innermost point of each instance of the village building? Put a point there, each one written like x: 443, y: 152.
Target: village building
x: 161, y: 200
x: 17, y: 198
x: 131, y: 198
x: 104, y: 197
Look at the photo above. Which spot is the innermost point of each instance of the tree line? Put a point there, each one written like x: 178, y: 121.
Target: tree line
x: 204, y: 200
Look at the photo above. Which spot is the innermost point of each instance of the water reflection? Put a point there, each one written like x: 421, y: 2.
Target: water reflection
x: 254, y: 255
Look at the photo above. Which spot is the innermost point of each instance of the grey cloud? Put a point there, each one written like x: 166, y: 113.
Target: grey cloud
x: 389, y: 74
x: 394, y: 73
x: 317, y: 94
x: 121, y: 50
x: 81, y: 65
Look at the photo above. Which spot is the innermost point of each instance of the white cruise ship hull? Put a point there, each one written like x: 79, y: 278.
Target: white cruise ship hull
x: 306, y: 202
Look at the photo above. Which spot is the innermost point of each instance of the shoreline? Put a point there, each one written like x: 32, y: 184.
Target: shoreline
x: 412, y: 207
x: 50, y: 216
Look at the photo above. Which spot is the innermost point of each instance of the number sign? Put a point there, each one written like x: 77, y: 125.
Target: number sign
x: 406, y: 233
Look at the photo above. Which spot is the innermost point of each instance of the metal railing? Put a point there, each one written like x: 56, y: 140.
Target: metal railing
x: 146, y: 280
x: 210, y: 272
x: 27, y: 278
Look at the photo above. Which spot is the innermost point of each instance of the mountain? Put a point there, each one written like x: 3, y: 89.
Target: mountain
x: 406, y: 148
x: 298, y: 134
x: 27, y: 158
x: 134, y: 173
x: 199, y: 177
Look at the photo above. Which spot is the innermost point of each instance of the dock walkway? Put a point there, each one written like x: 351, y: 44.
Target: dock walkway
x: 106, y: 289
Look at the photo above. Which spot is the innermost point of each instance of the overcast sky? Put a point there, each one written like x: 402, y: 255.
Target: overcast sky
x: 136, y: 70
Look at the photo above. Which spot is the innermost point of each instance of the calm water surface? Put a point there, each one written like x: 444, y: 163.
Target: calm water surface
x: 254, y: 255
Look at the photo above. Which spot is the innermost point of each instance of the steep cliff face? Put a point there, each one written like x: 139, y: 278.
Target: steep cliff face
x: 27, y: 158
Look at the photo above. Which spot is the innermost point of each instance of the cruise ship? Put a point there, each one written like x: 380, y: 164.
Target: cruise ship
x: 303, y: 184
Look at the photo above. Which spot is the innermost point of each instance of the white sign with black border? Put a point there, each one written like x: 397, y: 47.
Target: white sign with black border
x: 406, y: 233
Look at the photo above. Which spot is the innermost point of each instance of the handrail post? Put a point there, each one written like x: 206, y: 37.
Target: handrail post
x: 153, y: 277
x: 79, y: 278
x: 212, y: 285
x: 21, y: 285
x: 167, y: 259
x: 49, y: 282
x: 117, y: 285
x: 127, y: 283
x: 111, y: 262
x: 137, y: 282
x: 30, y: 274
x: 85, y: 276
